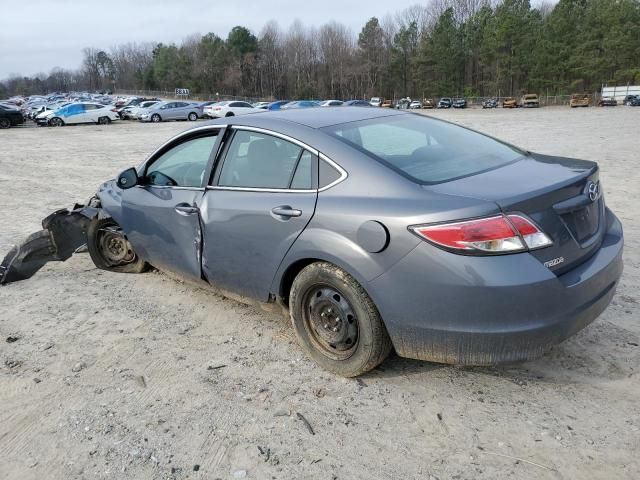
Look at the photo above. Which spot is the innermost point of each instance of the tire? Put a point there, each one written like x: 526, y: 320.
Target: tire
x: 324, y: 298
x: 56, y: 122
x: 104, y: 121
x: 5, y: 123
x: 155, y: 118
x: 229, y: 114
x: 192, y: 117
x: 106, y: 244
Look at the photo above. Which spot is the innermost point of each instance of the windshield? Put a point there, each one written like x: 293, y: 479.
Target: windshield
x: 424, y: 149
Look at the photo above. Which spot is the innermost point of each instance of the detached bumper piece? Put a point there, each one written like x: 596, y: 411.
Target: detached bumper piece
x: 63, y: 233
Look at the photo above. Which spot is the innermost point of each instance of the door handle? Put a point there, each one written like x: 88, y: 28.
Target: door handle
x: 186, y: 209
x: 286, y: 211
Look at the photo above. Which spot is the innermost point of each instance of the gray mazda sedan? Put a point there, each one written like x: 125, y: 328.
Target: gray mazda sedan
x: 376, y: 229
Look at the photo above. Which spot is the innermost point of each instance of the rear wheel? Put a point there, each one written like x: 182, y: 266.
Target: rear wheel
x: 229, y: 114
x: 155, y: 118
x: 104, y: 120
x: 192, y: 117
x: 56, y: 122
x: 5, y: 123
x: 110, y: 250
x: 336, y: 321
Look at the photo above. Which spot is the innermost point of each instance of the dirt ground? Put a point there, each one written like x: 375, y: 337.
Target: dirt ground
x: 142, y: 377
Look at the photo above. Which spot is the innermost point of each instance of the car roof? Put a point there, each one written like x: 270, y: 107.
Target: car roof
x: 315, y: 117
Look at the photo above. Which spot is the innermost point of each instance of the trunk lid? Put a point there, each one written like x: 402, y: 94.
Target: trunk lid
x: 554, y: 193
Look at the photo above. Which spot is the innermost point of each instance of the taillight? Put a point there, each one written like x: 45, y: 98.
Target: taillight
x: 499, y: 234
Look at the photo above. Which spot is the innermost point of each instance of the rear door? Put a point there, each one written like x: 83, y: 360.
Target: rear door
x: 262, y: 197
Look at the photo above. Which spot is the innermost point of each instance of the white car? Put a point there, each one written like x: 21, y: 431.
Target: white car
x: 135, y: 111
x: 229, y: 109
x: 415, y: 105
x: 331, y: 103
x: 376, y: 102
x: 83, y: 113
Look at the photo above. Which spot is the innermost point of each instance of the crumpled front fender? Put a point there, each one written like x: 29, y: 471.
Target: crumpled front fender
x: 63, y: 232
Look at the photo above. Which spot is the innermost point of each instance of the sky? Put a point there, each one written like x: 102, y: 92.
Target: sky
x: 37, y: 35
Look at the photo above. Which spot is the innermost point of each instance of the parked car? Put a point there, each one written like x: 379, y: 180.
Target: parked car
x: 530, y: 100
x: 608, y: 102
x: 357, y: 103
x: 260, y: 105
x: 635, y: 102
x: 470, y: 252
x: 300, y: 104
x: 230, y: 109
x: 277, y: 105
x: 75, y: 113
x: 164, y: 111
x: 459, y: 103
x: 414, y: 105
x: 629, y: 99
x: 427, y: 103
x: 331, y: 103
x: 510, y: 102
x: 489, y: 103
x: 133, y: 112
x: 580, y: 100
x: 131, y: 102
x: 376, y: 101
x: 10, y: 117
x: 445, y: 102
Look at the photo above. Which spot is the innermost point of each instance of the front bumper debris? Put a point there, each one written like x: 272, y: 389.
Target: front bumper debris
x: 63, y: 232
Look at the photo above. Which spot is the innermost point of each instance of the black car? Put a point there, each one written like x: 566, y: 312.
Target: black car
x: 459, y: 103
x: 490, y: 103
x: 10, y: 117
x: 445, y: 102
x: 632, y: 100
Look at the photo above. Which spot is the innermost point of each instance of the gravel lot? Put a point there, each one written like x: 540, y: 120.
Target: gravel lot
x: 141, y: 376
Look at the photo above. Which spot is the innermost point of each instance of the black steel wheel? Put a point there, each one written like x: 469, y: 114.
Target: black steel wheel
x: 56, y: 122
x: 336, y: 322
x: 104, y: 120
x: 330, y: 322
x: 5, y: 123
x: 110, y: 250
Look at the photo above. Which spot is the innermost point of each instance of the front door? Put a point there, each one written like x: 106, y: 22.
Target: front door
x: 161, y: 216
x: 262, y: 198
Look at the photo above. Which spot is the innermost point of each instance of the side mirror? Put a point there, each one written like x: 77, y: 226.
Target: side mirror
x: 128, y: 178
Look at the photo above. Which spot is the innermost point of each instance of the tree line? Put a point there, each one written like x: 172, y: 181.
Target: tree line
x: 446, y: 47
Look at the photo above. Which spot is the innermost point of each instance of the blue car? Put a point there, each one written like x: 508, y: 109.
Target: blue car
x: 277, y: 105
x: 376, y: 229
x: 300, y: 104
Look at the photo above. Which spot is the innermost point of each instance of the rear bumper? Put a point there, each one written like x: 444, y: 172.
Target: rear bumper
x: 488, y: 310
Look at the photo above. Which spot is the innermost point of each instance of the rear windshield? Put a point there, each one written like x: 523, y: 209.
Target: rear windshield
x: 424, y: 149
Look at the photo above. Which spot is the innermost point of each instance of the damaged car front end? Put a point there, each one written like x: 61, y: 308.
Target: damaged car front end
x: 65, y: 232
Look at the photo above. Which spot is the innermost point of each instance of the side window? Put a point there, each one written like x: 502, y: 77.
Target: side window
x: 75, y: 109
x: 256, y: 160
x: 235, y: 104
x: 302, y: 178
x: 327, y: 174
x: 183, y: 165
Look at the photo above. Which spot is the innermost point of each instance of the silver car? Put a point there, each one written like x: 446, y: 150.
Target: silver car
x: 164, y: 111
x: 375, y: 229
